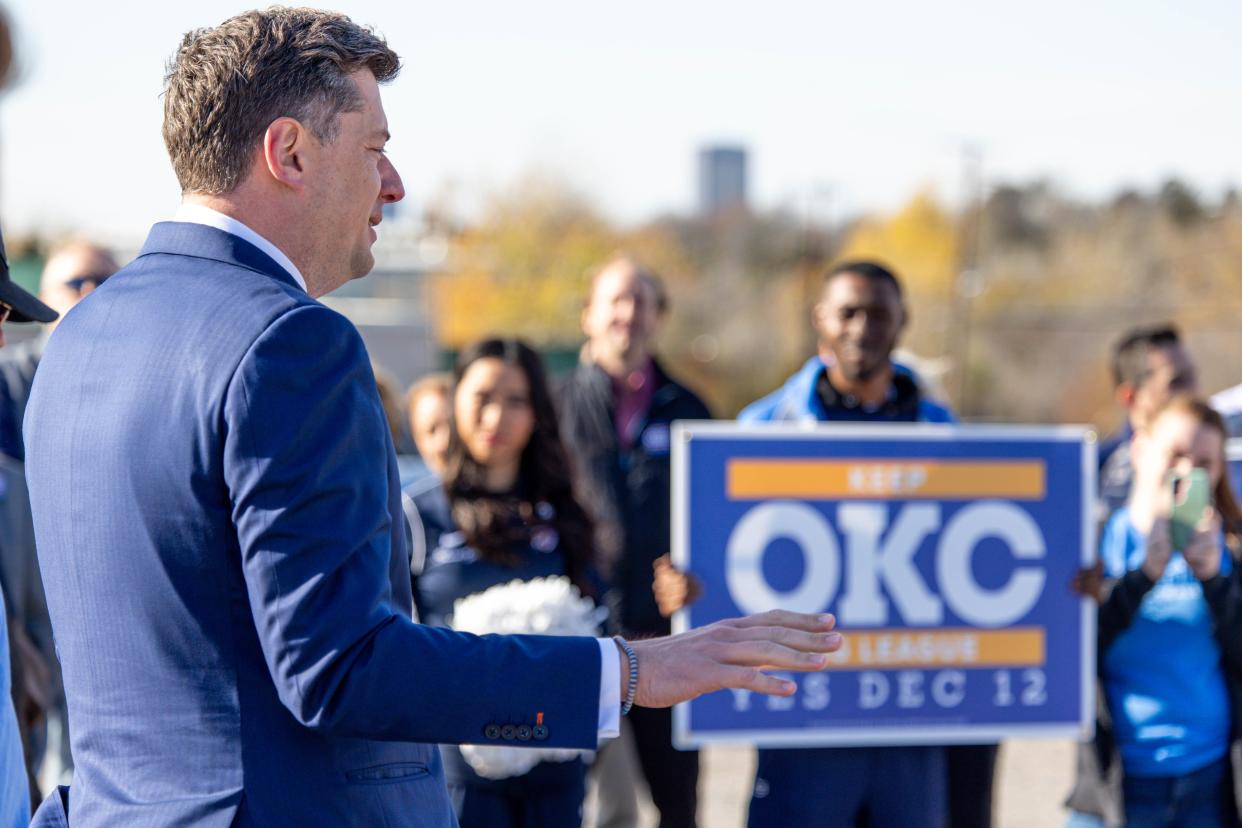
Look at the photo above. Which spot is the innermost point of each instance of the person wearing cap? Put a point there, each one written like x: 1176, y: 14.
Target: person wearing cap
x: 16, y: 305
x: 71, y: 273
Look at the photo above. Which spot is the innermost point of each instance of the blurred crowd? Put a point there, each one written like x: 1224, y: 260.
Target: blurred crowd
x: 516, y: 475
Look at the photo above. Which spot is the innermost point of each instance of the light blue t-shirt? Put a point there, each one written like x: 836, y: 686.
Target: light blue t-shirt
x: 14, y: 795
x: 1163, y: 675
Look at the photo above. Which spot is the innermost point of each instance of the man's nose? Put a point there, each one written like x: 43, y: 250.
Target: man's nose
x: 391, y: 188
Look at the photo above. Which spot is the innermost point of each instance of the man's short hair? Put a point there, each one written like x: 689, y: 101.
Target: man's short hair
x: 226, y: 85
x: 873, y: 271
x: 1130, y: 352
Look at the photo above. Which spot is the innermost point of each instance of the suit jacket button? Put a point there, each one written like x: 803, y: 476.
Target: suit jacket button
x: 492, y: 731
x: 540, y: 733
x: 508, y: 732
x: 523, y: 733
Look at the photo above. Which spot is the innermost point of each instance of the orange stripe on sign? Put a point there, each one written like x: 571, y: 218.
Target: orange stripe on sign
x: 885, y: 479
x: 1016, y: 647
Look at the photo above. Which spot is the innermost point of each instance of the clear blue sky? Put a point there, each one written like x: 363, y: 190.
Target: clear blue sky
x: 870, y: 99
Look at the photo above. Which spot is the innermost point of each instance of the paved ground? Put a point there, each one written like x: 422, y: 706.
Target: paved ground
x: 1033, y: 778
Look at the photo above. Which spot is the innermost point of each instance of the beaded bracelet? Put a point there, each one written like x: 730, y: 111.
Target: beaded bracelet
x: 631, y: 685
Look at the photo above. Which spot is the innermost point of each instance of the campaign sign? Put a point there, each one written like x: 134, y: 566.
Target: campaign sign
x: 946, y: 554
x: 1233, y: 451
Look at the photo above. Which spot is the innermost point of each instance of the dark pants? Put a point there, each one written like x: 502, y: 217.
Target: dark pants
x: 971, y: 773
x: 895, y: 787
x: 1195, y: 800
x: 671, y: 774
x: 517, y: 803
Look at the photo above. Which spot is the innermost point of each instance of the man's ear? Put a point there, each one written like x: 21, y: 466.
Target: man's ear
x: 1125, y: 395
x: 817, y: 317
x: 286, y: 151
x: 582, y: 317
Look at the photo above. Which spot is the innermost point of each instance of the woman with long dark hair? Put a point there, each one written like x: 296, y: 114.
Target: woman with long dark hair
x: 506, y: 513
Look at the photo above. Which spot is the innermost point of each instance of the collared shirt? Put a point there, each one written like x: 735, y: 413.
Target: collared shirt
x: 799, y: 400
x: 632, y: 397
x: 190, y: 213
x: 900, y: 404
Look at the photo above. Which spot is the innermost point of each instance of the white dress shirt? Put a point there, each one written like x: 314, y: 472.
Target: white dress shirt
x: 609, y: 725
x: 190, y: 213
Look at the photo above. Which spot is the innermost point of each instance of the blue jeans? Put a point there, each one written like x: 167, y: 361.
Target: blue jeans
x: 1194, y: 800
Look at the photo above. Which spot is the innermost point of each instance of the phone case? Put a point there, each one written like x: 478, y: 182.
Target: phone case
x: 1191, y: 496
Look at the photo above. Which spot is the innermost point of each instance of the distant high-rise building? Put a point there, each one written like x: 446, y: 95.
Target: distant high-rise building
x: 722, y: 178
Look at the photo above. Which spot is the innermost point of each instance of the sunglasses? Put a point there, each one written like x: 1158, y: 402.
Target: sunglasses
x: 78, y: 282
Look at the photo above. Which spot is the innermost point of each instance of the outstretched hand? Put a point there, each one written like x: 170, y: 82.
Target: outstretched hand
x: 733, y: 654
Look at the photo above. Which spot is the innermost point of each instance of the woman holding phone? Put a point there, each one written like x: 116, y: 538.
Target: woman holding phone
x: 1170, y: 633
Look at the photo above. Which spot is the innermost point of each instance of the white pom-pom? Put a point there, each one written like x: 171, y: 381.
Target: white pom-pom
x: 542, y: 606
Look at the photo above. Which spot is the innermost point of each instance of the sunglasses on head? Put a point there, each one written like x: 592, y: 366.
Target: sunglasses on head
x: 94, y: 280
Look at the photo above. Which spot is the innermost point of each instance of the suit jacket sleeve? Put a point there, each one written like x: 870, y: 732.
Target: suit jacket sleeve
x: 305, y: 457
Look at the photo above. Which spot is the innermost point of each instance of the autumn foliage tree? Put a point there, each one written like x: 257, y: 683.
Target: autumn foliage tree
x: 1055, y: 281
x: 522, y: 268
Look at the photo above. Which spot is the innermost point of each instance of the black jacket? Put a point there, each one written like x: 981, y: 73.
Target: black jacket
x: 626, y: 492
x: 1097, y: 790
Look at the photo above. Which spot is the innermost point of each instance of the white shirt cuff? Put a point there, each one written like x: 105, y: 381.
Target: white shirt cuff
x: 609, y: 689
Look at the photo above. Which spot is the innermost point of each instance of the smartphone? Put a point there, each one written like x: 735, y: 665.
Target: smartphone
x: 1191, y: 495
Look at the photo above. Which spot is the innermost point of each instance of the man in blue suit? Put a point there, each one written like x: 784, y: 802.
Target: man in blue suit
x: 216, y: 501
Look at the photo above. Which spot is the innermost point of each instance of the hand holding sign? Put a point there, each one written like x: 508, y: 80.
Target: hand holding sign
x: 673, y: 588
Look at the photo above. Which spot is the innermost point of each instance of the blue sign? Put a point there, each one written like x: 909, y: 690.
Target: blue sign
x: 1233, y: 451
x: 946, y: 554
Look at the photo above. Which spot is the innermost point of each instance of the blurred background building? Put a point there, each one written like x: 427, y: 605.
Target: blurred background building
x: 722, y: 178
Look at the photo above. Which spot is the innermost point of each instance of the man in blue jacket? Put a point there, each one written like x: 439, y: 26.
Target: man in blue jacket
x: 216, y: 500
x: 859, y: 319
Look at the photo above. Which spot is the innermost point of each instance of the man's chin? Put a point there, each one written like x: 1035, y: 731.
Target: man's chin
x: 362, y: 264
x: 857, y: 372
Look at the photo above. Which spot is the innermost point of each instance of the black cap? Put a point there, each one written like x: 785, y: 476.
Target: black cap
x: 26, y: 307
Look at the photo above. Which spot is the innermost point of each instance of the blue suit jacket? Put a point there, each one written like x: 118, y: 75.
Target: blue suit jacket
x: 220, y: 533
